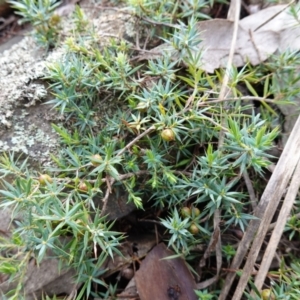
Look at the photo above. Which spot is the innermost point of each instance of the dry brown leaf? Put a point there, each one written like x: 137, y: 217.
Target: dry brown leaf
x: 130, y: 292
x: 260, y: 35
x: 45, y: 278
x: 252, y: 47
x: 164, y: 279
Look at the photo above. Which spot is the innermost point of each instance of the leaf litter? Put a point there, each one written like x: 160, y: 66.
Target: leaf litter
x: 259, y: 36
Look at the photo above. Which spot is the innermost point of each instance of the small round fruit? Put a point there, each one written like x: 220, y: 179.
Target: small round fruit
x: 82, y: 187
x: 142, y: 107
x: 45, y: 178
x: 196, y: 211
x: 185, y: 212
x: 168, y: 135
x: 55, y: 20
x: 96, y: 157
x: 194, y: 229
x: 266, y: 294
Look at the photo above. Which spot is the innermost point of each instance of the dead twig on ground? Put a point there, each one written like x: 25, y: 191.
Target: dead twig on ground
x: 264, y: 212
x: 279, y: 228
x: 250, y: 189
x: 215, y: 242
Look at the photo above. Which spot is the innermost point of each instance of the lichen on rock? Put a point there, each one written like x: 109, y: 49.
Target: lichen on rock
x: 25, y: 120
x: 23, y: 125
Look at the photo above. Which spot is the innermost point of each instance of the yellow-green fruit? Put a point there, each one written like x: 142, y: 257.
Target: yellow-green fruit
x: 194, y: 229
x: 96, y: 157
x: 196, y: 211
x: 55, y: 20
x: 45, y: 178
x: 142, y: 107
x: 82, y: 187
x: 168, y: 135
x: 185, y: 212
x: 266, y: 294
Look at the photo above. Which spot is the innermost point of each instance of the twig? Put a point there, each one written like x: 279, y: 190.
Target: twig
x: 215, y: 241
x: 135, y: 140
x: 272, y: 226
x: 274, y: 16
x: 279, y: 228
x: 255, y: 46
x: 73, y: 293
x: 224, y: 86
x: 249, y: 98
x: 211, y: 246
x: 269, y: 275
x: 204, y: 284
x: 150, y: 221
x: 105, y: 199
x: 147, y: 40
x: 264, y: 212
x: 218, y: 245
x: 253, y: 199
x: 7, y: 21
